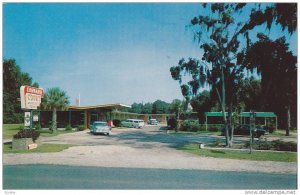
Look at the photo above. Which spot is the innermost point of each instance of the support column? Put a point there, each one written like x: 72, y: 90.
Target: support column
x: 70, y: 117
x: 87, y: 119
x: 265, y: 121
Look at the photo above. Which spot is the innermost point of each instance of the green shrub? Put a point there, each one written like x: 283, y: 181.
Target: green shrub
x: 270, y: 128
x: 190, y: 125
x: 172, y: 123
x: 274, y: 145
x: 80, y: 127
x: 37, y: 127
x: 215, y: 128
x: 117, y: 123
x: 21, y: 127
x: 68, y: 127
x: 259, y: 145
x: 284, y: 146
x: 27, y: 133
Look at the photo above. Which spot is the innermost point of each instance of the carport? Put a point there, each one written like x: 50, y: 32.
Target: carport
x: 266, y: 115
x: 243, y: 117
x: 97, y: 112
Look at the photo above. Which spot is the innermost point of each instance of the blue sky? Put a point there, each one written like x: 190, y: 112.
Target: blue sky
x: 107, y: 53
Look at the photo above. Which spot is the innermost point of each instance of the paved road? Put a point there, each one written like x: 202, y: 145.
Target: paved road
x: 149, y: 147
x: 80, y: 177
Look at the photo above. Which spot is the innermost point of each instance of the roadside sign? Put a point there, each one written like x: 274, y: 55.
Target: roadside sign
x: 31, y: 97
x: 35, y: 118
x: 27, y: 119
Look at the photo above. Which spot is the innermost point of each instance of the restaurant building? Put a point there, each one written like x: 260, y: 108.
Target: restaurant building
x: 85, y: 115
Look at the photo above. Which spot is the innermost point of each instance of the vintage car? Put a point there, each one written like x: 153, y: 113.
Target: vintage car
x: 100, y: 127
x: 152, y: 122
x: 135, y: 123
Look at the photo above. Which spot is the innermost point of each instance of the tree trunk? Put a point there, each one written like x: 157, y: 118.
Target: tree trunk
x: 231, y: 126
x: 223, y: 107
x: 177, y: 119
x: 54, y: 123
x: 288, y: 120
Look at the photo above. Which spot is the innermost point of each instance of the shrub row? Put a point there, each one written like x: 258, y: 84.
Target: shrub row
x: 275, y: 145
x: 190, y: 125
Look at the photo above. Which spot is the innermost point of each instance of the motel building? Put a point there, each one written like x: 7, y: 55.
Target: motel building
x: 85, y: 115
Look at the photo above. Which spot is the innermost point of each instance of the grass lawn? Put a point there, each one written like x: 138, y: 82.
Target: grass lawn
x: 259, y: 156
x: 11, y: 129
x: 198, y: 132
x: 44, y: 148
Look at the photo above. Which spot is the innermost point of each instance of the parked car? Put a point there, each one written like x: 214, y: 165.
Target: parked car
x: 135, y: 123
x: 244, y: 129
x: 100, y: 127
x: 152, y: 122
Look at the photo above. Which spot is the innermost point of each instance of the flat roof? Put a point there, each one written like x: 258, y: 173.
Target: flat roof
x: 215, y: 114
x: 107, y: 106
x: 259, y: 114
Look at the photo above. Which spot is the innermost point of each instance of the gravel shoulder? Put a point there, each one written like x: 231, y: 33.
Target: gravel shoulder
x: 132, y: 149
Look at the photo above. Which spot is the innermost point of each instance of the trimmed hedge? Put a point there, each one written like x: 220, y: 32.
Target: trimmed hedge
x: 274, y: 145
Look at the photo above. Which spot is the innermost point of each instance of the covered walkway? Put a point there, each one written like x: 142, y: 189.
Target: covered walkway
x: 243, y: 117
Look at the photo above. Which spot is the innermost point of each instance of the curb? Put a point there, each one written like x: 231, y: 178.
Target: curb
x: 246, y: 150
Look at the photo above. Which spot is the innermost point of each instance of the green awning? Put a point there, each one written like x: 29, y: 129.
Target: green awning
x: 259, y: 114
x: 217, y: 114
x: 243, y: 114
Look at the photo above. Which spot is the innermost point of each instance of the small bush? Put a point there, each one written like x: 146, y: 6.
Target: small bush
x: 117, y: 123
x: 215, y: 128
x: 190, y: 125
x: 269, y: 128
x: 284, y: 146
x: 80, y: 127
x: 68, y: 127
x: 37, y: 127
x: 261, y: 145
x: 27, y: 133
x: 172, y: 123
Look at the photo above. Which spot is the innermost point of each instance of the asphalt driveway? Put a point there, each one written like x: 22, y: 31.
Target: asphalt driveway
x: 149, y: 136
x: 150, y: 147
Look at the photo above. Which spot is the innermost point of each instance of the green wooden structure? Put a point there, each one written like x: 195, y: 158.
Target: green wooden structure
x: 243, y: 116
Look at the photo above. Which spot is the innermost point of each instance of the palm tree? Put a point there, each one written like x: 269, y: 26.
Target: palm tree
x: 55, y: 99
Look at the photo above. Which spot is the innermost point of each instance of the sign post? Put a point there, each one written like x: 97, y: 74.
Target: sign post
x: 31, y: 98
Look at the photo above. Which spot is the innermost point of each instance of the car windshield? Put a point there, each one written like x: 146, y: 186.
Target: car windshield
x: 100, y: 124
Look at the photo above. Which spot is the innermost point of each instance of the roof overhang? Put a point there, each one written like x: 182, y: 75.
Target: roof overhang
x: 103, y: 106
